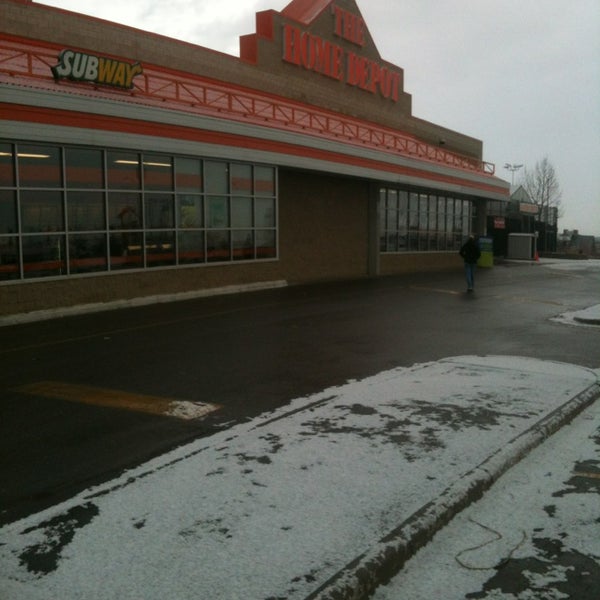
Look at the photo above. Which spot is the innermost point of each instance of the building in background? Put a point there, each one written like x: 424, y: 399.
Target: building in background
x: 522, y: 216
x: 571, y: 242
x: 135, y: 165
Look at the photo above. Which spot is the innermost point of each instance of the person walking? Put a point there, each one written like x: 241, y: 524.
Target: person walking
x: 470, y: 253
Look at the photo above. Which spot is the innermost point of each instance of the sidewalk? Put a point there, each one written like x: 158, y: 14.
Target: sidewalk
x: 319, y: 500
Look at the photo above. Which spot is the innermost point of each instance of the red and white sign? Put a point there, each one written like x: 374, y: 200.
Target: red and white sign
x: 328, y: 58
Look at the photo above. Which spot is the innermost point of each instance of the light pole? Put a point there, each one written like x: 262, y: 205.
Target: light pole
x: 512, y: 168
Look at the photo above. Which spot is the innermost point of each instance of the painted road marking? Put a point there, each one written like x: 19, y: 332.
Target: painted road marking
x: 421, y: 288
x: 84, y: 394
x: 587, y: 475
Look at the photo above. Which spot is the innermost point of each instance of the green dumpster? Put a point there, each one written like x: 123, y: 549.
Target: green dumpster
x: 486, y: 245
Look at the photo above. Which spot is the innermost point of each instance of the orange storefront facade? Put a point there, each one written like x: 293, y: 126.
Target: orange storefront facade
x: 137, y: 166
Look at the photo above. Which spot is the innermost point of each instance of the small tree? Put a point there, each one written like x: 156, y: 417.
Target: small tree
x: 542, y: 186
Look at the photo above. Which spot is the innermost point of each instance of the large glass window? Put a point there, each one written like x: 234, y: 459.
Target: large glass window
x: 9, y: 258
x: 159, y: 211
x: 241, y: 212
x: 123, y: 170
x: 41, y: 211
x: 218, y: 212
x: 158, y: 172
x: 265, y: 212
x: 77, y: 210
x: 84, y: 168
x: 87, y: 253
x: 39, y: 166
x: 124, y: 210
x: 421, y: 222
x: 7, y: 165
x: 188, y: 175
x: 241, y: 180
x: 190, y: 210
x: 160, y: 248
x: 266, y: 244
x: 216, y: 176
x: 191, y: 247
x: 44, y: 255
x: 126, y: 250
x: 8, y: 211
x: 86, y: 211
x: 264, y: 183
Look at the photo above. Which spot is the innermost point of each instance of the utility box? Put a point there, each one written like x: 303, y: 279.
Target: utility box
x: 521, y: 246
x: 486, y: 245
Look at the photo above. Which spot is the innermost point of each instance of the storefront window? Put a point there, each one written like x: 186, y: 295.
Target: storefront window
x: 217, y: 246
x: 8, y: 211
x: 44, y: 255
x: 86, y: 211
x: 158, y: 172
x: 265, y: 244
x: 419, y: 222
x: 216, y: 176
x: 9, y: 258
x: 264, y: 184
x: 39, y: 166
x: 84, y: 168
x: 87, y: 253
x: 126, y: 250
x: 449, y: 215
x: 243, y: 244
x: 123, y: 171
x: 7, y: 165
x: 241, y: 212
x: 241, y: 180
x: 191, y: 247
x: 160, y: 248
x: 119, y: 210
x: 188, y: 175
x: 124, y: 210
x: 159, y: 211
x: 42, y: 211
x: 218, y: 212
x: 265, y: 212
x: 190, y: 211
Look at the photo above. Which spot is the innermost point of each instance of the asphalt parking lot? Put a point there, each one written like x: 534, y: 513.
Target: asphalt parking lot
x: 248, y: 354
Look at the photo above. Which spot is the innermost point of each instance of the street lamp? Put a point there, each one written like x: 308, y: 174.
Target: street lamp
x: 512, y: 168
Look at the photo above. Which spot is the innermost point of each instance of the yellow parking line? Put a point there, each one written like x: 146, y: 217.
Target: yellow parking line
x: 84, y: 394
x: 587, y: 475
x: 422, y: 288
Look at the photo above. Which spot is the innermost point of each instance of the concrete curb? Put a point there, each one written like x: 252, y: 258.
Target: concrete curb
x: 359, y: 579
x: 96, y: 307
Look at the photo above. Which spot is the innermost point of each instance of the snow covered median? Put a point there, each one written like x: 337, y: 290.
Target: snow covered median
x: 274, y: 507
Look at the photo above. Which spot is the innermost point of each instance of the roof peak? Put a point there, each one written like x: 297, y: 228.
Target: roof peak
x: 305, y: 11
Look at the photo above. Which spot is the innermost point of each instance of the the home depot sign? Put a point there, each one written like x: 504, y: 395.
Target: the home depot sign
x: 325, y: 57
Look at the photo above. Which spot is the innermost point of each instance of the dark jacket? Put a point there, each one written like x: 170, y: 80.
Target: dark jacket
x: 470, y: 251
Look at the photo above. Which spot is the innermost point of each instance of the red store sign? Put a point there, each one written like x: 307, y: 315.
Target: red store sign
x: 325, y: 57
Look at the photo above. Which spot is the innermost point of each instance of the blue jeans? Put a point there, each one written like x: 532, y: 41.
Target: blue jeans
x: 470, y: 274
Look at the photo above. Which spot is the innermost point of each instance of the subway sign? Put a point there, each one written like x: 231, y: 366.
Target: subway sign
x: 100, y: 70
x: 328, y: 58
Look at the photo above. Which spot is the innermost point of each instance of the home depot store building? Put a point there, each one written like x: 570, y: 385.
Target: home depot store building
x: 136, y: 165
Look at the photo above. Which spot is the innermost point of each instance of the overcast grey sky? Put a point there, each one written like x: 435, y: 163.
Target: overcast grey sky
x: 521, y: 75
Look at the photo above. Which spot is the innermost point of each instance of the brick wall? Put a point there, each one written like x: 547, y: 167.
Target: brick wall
x: 44, y: 294
x: 323, y: 227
